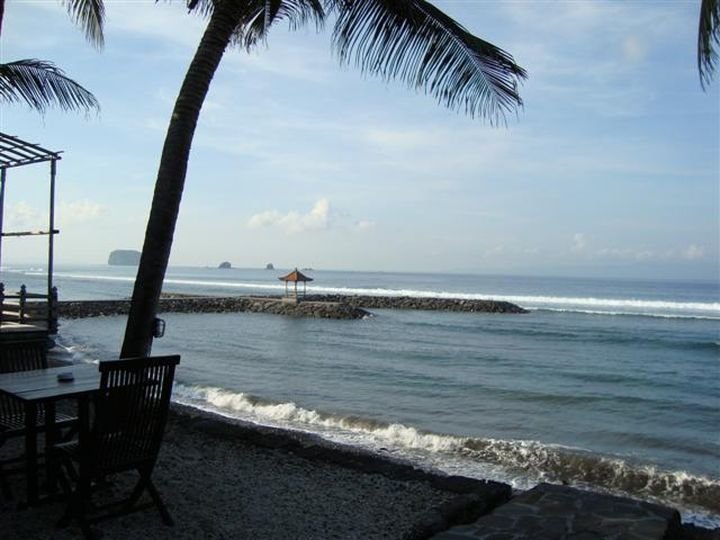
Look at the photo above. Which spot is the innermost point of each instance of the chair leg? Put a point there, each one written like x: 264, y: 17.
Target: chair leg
x: 6, y: 491
x: 159, y: 503
x: 69, y: 513
x: 64, y: 482
x: 135, y: 495
x: 77, y: 507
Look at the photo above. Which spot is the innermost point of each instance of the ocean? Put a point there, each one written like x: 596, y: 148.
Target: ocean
x: 612, y: 385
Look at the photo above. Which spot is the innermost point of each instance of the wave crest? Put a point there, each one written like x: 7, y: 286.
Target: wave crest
x: 534, y: 460
x: 588, y: 305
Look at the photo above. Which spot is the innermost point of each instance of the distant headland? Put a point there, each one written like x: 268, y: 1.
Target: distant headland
x: 124, y: 257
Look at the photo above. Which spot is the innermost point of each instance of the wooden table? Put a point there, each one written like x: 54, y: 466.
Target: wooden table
x: 42, y: 386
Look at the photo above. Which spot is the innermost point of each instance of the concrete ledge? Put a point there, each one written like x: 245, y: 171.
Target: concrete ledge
x: 551, y: 511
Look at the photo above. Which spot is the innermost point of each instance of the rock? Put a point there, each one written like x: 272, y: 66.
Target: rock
x: 269, y: 266
x: 225, y: 265
x: 124, y: 257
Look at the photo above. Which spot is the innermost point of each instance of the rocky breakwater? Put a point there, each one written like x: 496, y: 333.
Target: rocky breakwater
x: 429, y: 304
x: 317, y: 306
x: 202, y: 304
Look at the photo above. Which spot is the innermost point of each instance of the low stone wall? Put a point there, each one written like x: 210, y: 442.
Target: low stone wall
x: 317, y: 306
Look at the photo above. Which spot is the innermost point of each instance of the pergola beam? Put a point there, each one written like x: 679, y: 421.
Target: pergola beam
x: 15, y: 152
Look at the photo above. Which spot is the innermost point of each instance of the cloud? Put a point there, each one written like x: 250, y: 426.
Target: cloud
x: 693, y: 253
x: 634, y: 50
x: 364, y: 225
x: 79, y: 211
x: 579, y: 241
x: 23, y: 216
x: 317, y: 218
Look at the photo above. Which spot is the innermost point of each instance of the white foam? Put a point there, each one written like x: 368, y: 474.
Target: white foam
x: 294, y: 416
x: 586, y: 304
x: 519, y: 462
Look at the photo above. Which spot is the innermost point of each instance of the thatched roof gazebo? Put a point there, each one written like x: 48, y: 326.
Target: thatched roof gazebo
x: 294, y: 277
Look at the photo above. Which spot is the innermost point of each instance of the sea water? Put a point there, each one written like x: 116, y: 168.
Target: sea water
x: 608, y: 384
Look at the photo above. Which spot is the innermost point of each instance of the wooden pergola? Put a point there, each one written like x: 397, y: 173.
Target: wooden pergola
x: 294, y: 277
x: 15, y: 152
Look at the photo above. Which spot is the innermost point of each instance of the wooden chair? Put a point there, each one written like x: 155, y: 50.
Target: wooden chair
x: 131, y: 410
x: 22, y: 354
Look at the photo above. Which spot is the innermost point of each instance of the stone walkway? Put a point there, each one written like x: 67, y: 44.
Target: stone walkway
x: 559, y: 512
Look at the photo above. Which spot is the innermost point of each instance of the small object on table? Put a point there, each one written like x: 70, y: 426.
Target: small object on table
x: 66, y: 376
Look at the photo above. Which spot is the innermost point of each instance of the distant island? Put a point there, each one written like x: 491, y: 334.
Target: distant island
x: 269, y: 266
x: 124, y: 257
x: 225, y: 265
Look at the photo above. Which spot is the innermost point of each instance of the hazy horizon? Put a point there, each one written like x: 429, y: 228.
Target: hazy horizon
x: 559, y: 274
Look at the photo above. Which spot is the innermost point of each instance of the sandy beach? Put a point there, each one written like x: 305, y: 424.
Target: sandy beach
x: 224, y: 479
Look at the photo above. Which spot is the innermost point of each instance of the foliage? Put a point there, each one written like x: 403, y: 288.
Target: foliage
x: 41, y: 84
x: 708, y: 40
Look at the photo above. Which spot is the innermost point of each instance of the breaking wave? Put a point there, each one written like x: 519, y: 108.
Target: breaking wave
x: 521, y: 463
x: 588, y: 305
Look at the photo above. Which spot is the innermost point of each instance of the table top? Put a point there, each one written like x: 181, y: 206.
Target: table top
x: 43, y: 384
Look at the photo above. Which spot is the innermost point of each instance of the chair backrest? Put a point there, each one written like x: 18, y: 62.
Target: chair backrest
x: 20, y: 355
x: 23, y: 354
x: 131, y: 411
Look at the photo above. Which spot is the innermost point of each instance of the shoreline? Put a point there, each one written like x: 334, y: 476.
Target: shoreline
x: 223, y: 477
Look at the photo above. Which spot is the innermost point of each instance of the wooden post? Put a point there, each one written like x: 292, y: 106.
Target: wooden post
x: 51, y: 228
x: 53, y: 311
x: 21, y: 301
x: 2, y: 207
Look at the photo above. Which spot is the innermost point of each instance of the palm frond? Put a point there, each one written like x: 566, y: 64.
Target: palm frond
x: 260, y: 15
x: 708, y: 40
x: 415, y: 42
x: 266, y: 13
x: 41, y: 84
x: 201, y: 7
x: 90, y: 16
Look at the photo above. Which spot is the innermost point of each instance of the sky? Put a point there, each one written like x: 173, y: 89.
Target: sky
x: 611, y: 168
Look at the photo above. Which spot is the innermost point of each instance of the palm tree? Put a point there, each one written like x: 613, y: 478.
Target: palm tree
x: 410, y: 40
x: 41, y: 84
x: 708, y: 40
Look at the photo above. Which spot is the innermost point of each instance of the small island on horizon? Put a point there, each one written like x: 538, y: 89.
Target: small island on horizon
x: 124, y: 257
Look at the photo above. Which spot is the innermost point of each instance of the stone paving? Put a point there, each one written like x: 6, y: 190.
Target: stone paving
x: 560, y: 512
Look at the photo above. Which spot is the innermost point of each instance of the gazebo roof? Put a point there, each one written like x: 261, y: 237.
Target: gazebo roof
x: 295, y: 275
x: 15, y: 152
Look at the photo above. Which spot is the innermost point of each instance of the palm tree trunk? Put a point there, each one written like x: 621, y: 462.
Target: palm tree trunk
x: 171, y: 178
